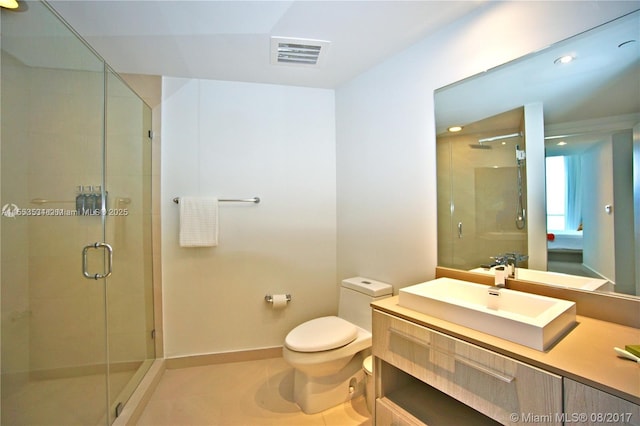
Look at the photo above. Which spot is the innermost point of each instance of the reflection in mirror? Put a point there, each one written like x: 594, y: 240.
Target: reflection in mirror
x: 481, y: 191
x: 585, y: 236
x: 591, y: 113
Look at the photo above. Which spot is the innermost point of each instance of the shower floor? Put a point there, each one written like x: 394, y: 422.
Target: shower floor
x: 61, y: 401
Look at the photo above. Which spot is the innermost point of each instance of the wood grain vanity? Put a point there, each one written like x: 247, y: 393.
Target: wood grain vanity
x: 429, y: 371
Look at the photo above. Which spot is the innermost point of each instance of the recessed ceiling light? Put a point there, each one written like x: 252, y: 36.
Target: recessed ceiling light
x: 564, y: 59
x: 454, y: 129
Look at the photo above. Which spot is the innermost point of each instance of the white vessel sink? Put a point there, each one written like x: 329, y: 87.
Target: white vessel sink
x: 555, y: 278
x: 524, y: 318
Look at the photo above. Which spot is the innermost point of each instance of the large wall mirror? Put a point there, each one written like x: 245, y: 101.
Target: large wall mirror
x: 547, y: 163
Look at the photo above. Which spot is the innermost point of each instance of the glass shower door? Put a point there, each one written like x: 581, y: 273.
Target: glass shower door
x: 54, y: 346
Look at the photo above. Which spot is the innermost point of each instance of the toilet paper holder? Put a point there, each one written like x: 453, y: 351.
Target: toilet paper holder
x: 269, y: 298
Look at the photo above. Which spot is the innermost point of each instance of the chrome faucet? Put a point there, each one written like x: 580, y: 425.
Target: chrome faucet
x: 510, y: 262
x: 499, y: 260
x: 493, y: 300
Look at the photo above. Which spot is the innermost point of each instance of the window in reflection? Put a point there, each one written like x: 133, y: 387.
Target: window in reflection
x: 564, y: 193
x: 555, y: 193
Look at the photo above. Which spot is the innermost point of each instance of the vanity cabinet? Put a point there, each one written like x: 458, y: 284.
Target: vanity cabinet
x: 427, y: 377
x: 589, y: 406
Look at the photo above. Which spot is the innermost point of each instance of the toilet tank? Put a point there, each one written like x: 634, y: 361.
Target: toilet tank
x: 356, y: 295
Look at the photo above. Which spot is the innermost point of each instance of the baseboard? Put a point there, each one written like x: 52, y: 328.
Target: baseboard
x: 83, y: 370
x: 223, y: 357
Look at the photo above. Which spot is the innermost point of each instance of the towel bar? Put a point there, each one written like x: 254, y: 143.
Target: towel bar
x: 255, y: 200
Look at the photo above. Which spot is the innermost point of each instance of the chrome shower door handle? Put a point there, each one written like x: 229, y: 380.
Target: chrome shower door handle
x: 85, y: 262
x: 459, y: 229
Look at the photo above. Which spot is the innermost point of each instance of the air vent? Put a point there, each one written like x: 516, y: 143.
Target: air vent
x: 298, y: 52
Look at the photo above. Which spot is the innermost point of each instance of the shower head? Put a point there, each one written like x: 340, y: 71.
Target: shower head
x: 500, y: 137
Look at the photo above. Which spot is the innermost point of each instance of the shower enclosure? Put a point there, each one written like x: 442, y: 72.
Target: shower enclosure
x: 76, y: 261
x: 482, y: 192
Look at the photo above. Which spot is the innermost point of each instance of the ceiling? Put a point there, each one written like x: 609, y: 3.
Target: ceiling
x: 230, y: 40
x: 587, y: 98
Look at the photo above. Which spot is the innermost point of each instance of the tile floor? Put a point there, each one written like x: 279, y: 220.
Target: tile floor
x: 251, y: 393
x: 68, y: 401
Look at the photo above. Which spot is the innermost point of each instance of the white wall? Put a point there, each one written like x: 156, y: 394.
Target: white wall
x: 242, y: 140
x: 385, y: 130
x: 536, y: 204
x: 599, y: 247
x: 623, y: 212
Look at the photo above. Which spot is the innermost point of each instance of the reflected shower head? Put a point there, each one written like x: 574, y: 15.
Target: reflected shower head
x: 479, y: 146
x: 482, y: 142
x: 500, y: 137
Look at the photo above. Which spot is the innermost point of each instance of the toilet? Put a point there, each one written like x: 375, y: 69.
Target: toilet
x: 327, y: 353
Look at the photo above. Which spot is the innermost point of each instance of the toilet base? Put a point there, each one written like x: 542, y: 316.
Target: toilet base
x: 369, y: 391
x: 316, y: 394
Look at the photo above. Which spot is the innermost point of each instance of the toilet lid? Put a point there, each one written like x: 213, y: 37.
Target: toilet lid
x: 321, y: 334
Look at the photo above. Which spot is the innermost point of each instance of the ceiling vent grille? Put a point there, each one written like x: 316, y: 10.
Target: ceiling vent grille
x: 298, y: 52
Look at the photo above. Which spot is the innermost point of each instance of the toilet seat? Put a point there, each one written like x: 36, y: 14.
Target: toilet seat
x: 321, y: 334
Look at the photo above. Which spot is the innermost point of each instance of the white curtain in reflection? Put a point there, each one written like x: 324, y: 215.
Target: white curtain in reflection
x: 573, y: 206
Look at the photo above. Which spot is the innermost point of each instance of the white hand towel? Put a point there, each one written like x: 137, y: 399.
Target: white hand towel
x: 198, y: 222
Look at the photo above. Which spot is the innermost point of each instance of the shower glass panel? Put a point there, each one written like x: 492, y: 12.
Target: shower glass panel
x: 128, y: 229
x: 72, y: 135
